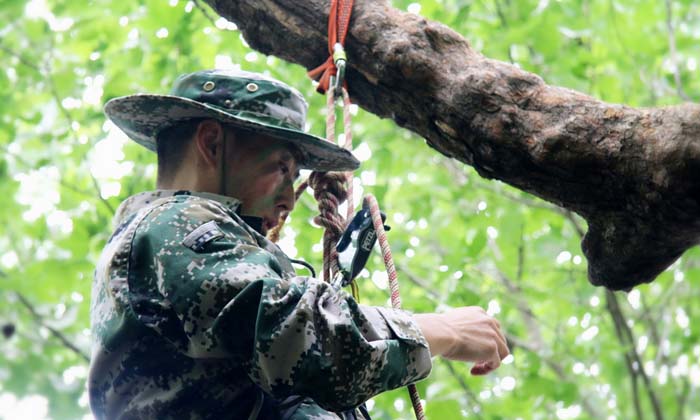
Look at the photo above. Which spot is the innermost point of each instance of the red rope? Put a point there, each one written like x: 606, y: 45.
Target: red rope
x: 332, y: 188
x: 338, y: 24
x: 393, y: 285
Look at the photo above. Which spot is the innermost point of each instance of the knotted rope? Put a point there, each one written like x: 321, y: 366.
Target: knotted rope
x: 333, y: 188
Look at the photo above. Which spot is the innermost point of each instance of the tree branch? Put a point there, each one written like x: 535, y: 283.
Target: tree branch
x: 463, y: 384
x: 533, y: 325
x: 205, y: 12
x: 674, y: 55
x: 626, y: 338
x: 59, y: 335
x: 629, y: 172
x: 46, y: 74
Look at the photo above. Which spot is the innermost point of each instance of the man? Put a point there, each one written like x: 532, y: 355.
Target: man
x: 195, y: 314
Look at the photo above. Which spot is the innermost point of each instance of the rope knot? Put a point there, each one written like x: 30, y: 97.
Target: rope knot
x: 330, y: 190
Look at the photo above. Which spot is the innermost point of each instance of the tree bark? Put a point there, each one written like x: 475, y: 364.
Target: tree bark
x: 633, y: 174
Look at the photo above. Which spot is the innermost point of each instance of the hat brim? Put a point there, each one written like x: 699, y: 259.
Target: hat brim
x: 142, y: 116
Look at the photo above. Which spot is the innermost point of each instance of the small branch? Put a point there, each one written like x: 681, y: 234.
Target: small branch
x: 672, y: 46
x: 521, y: 256
x: 572, y: 218
x: 461, y: 179
x: 533, y: 325
x: 21, y: 58
x: 410, y: 276
x: 626, y: 338
x: 45, y: 73
x: 104, y: 201
x: 62, y: 338
x: 501, y: 15
x: 559, y: 370
x: 618, y: 321
x: 205, y: 12
x: 463, y: 384
x: 61, y: 182
x: 513, y: 341
x: 682, y: 400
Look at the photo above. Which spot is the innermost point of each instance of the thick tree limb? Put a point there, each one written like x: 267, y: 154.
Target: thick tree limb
x: 633, y: 174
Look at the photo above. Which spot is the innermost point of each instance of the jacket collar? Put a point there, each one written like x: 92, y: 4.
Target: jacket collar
x: 136, y: 202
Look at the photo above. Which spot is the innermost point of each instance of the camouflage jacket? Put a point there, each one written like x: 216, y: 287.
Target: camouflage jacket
x: 195, y: 315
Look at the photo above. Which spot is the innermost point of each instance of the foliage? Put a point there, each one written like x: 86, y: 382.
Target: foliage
x: 458, y: 239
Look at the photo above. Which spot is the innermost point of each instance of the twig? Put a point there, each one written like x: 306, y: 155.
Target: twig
x: 62, y: 338
x: 577, y: 226
x: 462, y: 383
x: 672, y: 46
x: 559, y: 370
x: 514, y: 341
x: 617, y: 322
x: 104, y: 201
x: 533, y: 325
x: 521, y: 256
x: 626, y: 338
x: 410, y: 276
x: 21, y: 58
x: 204, y: 11
x: 501, y: 15
x: 61, y: 182
x: 46, y: 74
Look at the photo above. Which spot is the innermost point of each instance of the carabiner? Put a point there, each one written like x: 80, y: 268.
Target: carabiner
x: 340, y: 60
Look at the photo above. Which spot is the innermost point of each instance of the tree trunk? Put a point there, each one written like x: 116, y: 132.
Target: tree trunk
x: 633, y: 174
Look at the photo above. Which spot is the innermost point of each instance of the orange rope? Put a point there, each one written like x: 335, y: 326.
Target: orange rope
x: 371, y: 201
x: 338, y: 24
x: 332, y: 188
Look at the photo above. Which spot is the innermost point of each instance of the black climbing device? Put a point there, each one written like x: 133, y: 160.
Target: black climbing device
x: 356, y: 244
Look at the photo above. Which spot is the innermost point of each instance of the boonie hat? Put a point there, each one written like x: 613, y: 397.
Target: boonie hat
x: 243, y: 99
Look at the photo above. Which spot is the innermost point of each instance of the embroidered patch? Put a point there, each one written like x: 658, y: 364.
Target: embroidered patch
x: 204, y: 234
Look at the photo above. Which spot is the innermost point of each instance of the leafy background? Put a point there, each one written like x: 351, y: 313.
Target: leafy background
x: 578, y: 351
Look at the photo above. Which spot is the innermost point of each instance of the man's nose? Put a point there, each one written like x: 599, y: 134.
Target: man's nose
x: 286, y: 197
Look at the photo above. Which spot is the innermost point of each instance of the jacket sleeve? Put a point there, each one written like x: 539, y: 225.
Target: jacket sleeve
x: 225, y: 297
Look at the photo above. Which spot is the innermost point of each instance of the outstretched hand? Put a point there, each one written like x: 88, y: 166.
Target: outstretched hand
x: 465, y: 334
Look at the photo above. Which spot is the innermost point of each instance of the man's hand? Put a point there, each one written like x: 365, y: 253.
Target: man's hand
x: 465, y: 334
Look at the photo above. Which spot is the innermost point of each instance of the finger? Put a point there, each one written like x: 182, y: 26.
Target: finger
x: 502, y: 345
x: 477, y: 371
x: 482, y: 368
x: 487, y: 366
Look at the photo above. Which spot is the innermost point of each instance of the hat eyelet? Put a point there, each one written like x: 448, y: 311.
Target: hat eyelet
x: 251, y: 87
x: 208, y: 86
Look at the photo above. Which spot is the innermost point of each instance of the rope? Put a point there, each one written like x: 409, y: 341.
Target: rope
x: 332, y: 188
x: 371, y: 201
x: 338, y: 24
x: 329, y: 183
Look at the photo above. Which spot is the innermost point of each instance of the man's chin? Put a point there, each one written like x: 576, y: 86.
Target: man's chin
x: 267, y: 226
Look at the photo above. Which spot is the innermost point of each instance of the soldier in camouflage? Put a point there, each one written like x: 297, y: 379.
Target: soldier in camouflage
x: 196, y: 315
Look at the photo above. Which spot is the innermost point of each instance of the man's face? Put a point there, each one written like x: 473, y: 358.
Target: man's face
x: 260, y: 172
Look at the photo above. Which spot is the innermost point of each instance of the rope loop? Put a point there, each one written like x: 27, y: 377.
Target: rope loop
x: 338, y: 24
x: 330, y: 190
x: 333, y: 188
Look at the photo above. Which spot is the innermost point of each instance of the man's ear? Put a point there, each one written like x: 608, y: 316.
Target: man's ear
x: 208, y: 140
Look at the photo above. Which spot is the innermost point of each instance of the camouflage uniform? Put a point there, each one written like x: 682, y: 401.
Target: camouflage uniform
x: 195, y: 315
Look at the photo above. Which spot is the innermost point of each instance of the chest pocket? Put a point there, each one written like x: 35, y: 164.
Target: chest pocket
x: 202, y: 235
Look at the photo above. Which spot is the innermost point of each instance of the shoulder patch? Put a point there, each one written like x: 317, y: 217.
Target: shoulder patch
x: 202, y: 235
